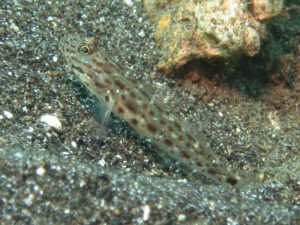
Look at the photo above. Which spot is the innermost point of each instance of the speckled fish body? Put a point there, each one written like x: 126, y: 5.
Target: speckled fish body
x: 105, y: 79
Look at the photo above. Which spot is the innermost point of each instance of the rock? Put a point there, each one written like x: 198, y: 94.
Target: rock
x: 266, y: 9
x: 215, y: 29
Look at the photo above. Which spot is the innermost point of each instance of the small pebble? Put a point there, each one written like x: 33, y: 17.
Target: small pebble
x: 128, y: 2
x: 146, y: 212
x: 40, y: 171
x: 55, y: 58
x: 8, y: 115
x: 141, y: 33
x: 181, y: 217
x: 102, y: 162
x: 74, y: 144
x: 51, y: 121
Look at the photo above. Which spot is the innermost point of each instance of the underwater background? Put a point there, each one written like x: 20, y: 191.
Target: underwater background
x: 59, y: 164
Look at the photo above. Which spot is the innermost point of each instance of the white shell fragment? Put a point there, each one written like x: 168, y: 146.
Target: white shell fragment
x: 8, y: 115
x: 40, y: 171
x: 128, y: 2
x: 51, y: 121
x: 146, y: 212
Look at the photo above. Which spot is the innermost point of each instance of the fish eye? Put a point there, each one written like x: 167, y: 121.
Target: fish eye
x: 84, y: 49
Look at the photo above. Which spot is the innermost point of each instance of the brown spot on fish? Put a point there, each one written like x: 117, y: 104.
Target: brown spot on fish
x: 170, y: 129
x: 159, y: 109
x: 73, y: 46
x: 79, y: 69
x: 90, y: 75
x: 98, y: 71
x: 100, y: 64
x: 180, y: 138
x: 162, y: 122
x: 151, y: 127
x: 145, y: 106
x: 130, y: 106
x: 112, y: 92
x: 178, y: 126
x: 211, y: 171
x: 107, y: 71
x: 168, y: 142
x: 111, y: 65
x: 132, y: 94
x: 120, y: 110
x: 205, y: 154
x: 76, y: 60
x: 190, y: 137
x: 107, y: 81
x: 134, y: 121
x: 185, y: 154
x: 231, y: 180
x: 120, y: 84
x: 87, y: 65
x: 201, y: 153
x: 98, y: 84
x: 151, y: 113
x: 144, y: 93
x: 133, y: 81
x: 199, y: 164
x: 106, y: 98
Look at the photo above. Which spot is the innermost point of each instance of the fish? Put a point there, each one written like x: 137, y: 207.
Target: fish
x: 126, y: 98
